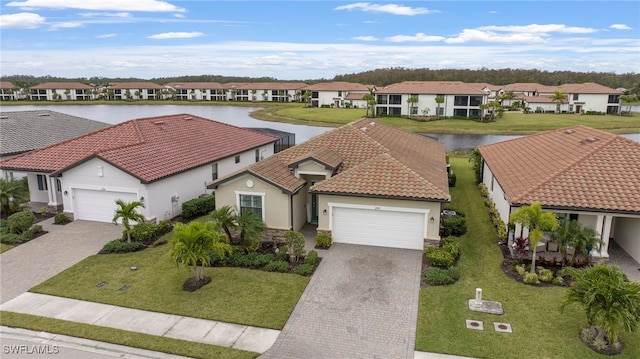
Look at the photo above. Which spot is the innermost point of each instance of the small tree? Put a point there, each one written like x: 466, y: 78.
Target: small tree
x: 558, y: 97
x: 295, y: 245
x: 127, y: 213
x: 439, y: 101
x: 192, y: 245
x: 611, y: 302
x: 538, y: 221
x: 411, y: 101
x: 251, y: 229
x: 10, y: 193
x: 225, y: 217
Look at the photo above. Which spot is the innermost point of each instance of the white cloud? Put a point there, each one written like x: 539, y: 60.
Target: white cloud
x: 176, y: 35
x: 23, y: 20
x: 536, y: 28
x: 620, y: 27
x: 419, y: 37
x: 106, y: 14
x: 103, y: 5
x: 365, y: 38
x: 370, y: 22
x: 393, y: 9
x: 66, y: 25
x: 106, y: 36
x: 180, y: 16
x: 474, y: 35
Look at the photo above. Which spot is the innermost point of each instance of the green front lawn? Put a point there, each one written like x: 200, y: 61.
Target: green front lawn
x: 539, y: 330
x: 235, y: 295
x: 5, y: 247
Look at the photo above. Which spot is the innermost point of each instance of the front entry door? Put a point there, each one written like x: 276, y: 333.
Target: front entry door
x: 314, y: 207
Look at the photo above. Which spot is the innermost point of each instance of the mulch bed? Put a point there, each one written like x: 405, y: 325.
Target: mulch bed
x: 191, y: 285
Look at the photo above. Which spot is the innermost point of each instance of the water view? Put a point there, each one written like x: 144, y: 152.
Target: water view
x: 239, y: 116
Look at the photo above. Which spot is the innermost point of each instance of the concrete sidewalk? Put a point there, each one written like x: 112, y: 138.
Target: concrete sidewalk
x: 236, y: 336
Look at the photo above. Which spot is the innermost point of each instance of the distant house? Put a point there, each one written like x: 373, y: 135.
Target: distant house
x: 268, y: 91
x: 24, y: 131
x: 592, y: 97
x: 541, y: 104
x: 364, y: 183
x: 134, y: 91
x: 51, y: 91
x: 459, y: 99
x: 579, y: 173
x: 207, y: 91
x: 161, y: 161
x: 8, y: 91
x: 334, y: 94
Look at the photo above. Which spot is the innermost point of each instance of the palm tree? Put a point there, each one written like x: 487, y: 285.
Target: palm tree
x: 127, y: 213
x: 558, y: 97
x: 367, y: 98
x: 192, y: 245
x: 494, y: 106
x: 251, y: 227
x: 10, y: 192
x: 439, y: 101
x: 507, y: 95
x: 484, y: 107
x: 253, y: 95
x: 610, y: 300
x: 225, y: 217
x: 411, y: 101
x: 538, y: 221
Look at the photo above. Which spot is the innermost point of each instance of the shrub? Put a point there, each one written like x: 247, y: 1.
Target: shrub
x: 451, y: 245
x: 4, y: 226
x: 545, y: 275
x: 60, y: 218
x: 147, y: 233
x: 439, y: 276
x: 311, y: 258
x: 323, y: 240
x: 454, y: 226
x: 295, y: 244
x: 439, y: 257
x: 258, y: 260
x: 557, y: 281
x: 277, y: 266
x: 20, y: 222
x: 12, y: 238
x: 281, y: 254
x: 198, y: 206
x: 530, y: 278
x: 520, y: 270
x: 452, y: 180
x: 304, y: 270
x: 119, y: 246
x: 31, y: 232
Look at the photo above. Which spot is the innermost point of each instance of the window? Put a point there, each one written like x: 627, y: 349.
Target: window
x: 414, y: 110
x: 251, y: 203
x: 460, y: 112
x: 58, y: 185
x: 257, y: 155
x: 475, y: 100
x: 339, y: 93
x: 613, y: 99
x: 395, y: 99
x: 461, y: 101
x: 440, y: 111
x: 214, y: 171
x: 573, y: 216
x: 575, y: 97
x: 42, y: 182
x: 382, y: 99
x: 237, y: 158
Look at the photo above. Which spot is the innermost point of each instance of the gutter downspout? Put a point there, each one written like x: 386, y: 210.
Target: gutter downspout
x: 291, y: 211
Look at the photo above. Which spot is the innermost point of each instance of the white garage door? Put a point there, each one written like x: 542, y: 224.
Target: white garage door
x: 98, y: 205
x: 378, y: 227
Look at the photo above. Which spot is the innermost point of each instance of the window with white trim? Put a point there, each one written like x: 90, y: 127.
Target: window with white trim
x: 257, y: 155
x: 252, y: 203
x: 237, y: 159
x: 42, y: 182
x: 214, y: 171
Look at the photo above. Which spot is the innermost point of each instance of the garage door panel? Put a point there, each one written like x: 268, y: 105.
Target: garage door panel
x: 378, y: 227
x: 98, y: 206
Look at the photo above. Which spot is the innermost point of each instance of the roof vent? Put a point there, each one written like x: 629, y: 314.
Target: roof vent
x: 188, y: 118
x: 43, y: 114
x: 592, y: 139
x: 364, y: 129
x: 4, y: 117
x: 569, y: 131
x: 372, y: 123
x: 158, y: 122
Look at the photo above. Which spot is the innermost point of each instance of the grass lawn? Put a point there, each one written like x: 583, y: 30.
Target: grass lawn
x: 539, y: 330
x: 235, y: 295
x: 116, y: 336
x: 5, y: 247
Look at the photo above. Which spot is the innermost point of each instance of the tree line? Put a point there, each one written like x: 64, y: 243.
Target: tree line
x: 380, y: 77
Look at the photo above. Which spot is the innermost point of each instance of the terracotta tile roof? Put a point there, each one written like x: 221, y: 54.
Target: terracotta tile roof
x: 147, y: 148
x: 271, y: 86
x: 431, y: 88
x: 62, y: 85
x: 338, y: 86
x: 537, y: 99
x: 134, y: 85
x: 355, y: 95
x: 325, y: 156
x: 194, y: 85
x: 578, y: 167
x: 392, y: 162
x: 22, y: 131
x: 522, y: 87
x: 588, y: 88
x: 7, y: 85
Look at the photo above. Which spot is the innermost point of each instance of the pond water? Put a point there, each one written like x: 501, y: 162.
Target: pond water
x: 239, y: 116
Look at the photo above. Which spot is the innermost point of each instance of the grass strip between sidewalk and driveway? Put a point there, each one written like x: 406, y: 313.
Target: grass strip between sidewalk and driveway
x: 234, y: 295
x: 539, y: 330
x: 122, y: 337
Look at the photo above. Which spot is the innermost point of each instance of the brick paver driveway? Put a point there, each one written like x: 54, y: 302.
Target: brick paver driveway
x: 33, y: 262
x: 362, y: 302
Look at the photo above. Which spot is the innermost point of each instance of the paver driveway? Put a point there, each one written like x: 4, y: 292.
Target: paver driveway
x: 40, y: 259
x: 362, y: 302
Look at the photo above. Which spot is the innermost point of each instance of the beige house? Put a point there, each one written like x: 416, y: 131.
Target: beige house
x: 51, y: 91
x: 579, y: 172
x: 142, y: 90
x: 212, y: 91
x: 364, y: 183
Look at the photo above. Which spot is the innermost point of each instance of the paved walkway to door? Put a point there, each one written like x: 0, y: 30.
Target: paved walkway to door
x: 362, y: 302
x: 33, y: 262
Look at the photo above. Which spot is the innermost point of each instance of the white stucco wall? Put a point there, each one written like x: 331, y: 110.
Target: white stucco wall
x: 592, y: 102
x: 627, y: 235
x: 496, y: 194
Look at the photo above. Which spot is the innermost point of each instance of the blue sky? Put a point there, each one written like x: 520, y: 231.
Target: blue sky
x: 312, y: 39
